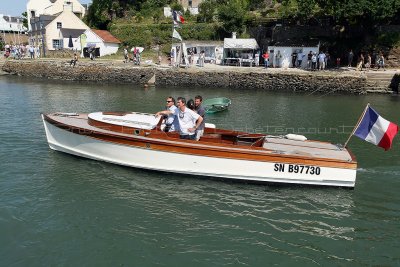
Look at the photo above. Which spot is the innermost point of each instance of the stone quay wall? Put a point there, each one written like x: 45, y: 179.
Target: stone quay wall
x: 109, y: 72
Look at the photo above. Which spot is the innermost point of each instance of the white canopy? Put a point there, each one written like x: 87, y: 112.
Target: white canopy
x: 234, y: 43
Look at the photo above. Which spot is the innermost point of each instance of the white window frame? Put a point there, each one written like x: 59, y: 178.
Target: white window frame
x: 57, y: 43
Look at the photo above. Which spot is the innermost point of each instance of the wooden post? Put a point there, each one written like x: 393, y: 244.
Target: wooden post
x: 358, y: 124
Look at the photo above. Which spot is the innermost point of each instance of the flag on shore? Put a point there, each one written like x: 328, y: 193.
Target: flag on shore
x: 176, y: 25
x: 177, y: 16
x: 176, y: 35
x: 375, y: 129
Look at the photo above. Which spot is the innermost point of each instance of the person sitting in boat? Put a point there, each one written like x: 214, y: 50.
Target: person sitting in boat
x: 188, y: 120
x: 198, y: 100
x: 190, y: 104
x: 171, y: 122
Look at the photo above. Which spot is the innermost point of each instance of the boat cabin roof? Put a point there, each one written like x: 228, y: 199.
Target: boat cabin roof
x: 130, y: 119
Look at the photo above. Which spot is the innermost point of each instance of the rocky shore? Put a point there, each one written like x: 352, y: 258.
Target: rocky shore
x: 212, y: 76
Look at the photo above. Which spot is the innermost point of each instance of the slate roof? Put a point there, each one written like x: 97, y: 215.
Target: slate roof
x: 75, y: 33
x: 12, y: 19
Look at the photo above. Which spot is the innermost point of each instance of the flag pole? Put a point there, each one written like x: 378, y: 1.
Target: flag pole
x: 172, y: 39
x: 358, y: 124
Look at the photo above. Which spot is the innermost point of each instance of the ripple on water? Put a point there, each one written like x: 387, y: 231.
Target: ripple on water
x: 57, y: 209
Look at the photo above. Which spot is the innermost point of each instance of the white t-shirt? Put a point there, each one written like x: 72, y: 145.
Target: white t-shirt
x: 187, y: 119
x: 321, y: 57
x: 300, y: 56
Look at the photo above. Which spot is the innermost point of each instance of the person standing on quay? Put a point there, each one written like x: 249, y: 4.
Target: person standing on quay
x: 266, y: 58
x: 299, y: 59
x: 32, y: 51
x: 294, y: 58
x: 278, y: 58
x: 309, y: 57
x: 126, y: 57
x: 381, y: 62
x: 350, y: 58
x: 360, y: 63
x: 321, y: 60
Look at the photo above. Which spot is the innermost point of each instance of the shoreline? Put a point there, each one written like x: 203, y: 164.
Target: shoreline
x: 341, y: 80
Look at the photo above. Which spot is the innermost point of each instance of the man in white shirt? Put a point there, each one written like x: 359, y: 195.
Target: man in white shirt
x: 188, y: 119
x: 321, y: 60
x: 299, y: 59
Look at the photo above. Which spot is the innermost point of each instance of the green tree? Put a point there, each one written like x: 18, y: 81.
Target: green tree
x: 233, y: 15
x: 102, y: 12
x: 207, y: 10
x: 98, y: 15
x: 25, y: 19
x: 2, y: 44
x: 365, y: 12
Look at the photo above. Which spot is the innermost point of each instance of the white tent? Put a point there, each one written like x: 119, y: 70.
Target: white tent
x: 239, y: 51
x: 247, y: 44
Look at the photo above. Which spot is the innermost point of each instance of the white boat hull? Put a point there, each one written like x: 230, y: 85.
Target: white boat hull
x: 147, y: 158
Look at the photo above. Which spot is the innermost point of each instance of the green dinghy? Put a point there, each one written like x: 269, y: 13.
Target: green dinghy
x: 217, y: 104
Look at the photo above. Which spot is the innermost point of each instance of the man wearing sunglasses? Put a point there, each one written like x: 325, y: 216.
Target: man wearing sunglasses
x: 171, y: 122
x: 188, y: 119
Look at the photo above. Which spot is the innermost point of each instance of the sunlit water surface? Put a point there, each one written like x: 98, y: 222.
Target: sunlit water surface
x: 61, y: 210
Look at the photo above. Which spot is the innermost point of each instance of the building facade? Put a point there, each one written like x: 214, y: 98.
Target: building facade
x: 51, y: 32
x: 12, y: 24
x: 102, y: 40
x: 54, y: 30
x: 36, y: 8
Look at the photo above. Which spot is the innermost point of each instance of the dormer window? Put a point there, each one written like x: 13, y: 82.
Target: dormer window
x: 59, y: 25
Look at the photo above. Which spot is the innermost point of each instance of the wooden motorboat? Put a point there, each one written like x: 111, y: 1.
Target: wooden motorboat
x: 213, y: 105
x: 137, y: 140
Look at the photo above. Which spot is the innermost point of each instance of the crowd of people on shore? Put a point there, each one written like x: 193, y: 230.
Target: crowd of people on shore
x: 312, y: 61
x: 322, y: 60
x: 185, y: 117
x: 21, y: 51
x: 367, y: 61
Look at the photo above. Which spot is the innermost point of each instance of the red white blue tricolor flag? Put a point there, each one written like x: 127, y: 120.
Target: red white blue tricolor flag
x: 376, y: 130
x: 177, y: 16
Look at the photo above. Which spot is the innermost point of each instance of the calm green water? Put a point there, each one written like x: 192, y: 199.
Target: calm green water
x: 61, y: 210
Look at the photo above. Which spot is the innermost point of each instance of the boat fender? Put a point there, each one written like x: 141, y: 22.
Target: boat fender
x: 296, y: 137
x: 210, y: 125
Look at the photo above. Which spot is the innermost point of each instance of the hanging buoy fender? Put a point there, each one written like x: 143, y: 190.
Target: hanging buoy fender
x: 296, y: 137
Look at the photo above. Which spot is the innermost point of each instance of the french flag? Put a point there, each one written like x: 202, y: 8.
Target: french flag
x: 178, y: 17
x: 376, y: 130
